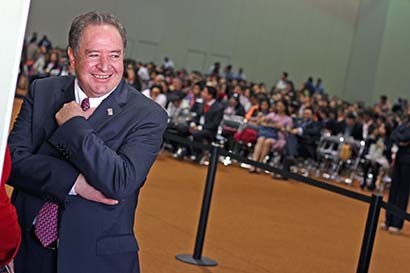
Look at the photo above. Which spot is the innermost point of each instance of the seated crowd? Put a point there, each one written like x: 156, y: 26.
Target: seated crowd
x: 284, y: 122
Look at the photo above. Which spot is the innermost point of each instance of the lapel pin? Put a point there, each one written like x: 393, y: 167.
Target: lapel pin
x: 110, y: 112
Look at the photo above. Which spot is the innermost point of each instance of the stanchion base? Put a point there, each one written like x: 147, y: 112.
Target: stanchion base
x: 204, y: 261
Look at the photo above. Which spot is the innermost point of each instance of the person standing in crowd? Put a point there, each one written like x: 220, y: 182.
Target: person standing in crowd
x: 400, y: 185
x: 168, y: 64
x: 10, y: 234
x: 282, y: 83
x: 81, y: 149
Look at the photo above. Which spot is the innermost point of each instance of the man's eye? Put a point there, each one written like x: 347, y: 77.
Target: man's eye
x: 115, y: 56
x: 93, y: 55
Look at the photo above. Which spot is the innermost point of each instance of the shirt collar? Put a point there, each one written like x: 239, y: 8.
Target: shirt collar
x: 80, y: 95
x: 211, y: 102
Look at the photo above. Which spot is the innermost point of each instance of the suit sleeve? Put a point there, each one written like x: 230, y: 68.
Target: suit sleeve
x: 119, y: 173
x: 42, y: 175
x: 401, y: 134
x: 313, y: 131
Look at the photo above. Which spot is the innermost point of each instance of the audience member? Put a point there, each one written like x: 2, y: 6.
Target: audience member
x: 271, y: 133
x: 155, y: 93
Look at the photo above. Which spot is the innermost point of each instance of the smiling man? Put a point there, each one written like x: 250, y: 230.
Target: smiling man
x: 81, y: 148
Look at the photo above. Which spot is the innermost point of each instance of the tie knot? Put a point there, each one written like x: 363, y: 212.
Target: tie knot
x: 85, y: 104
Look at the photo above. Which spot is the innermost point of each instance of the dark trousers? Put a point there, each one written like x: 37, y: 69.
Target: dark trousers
x: 179, y: 130
x: 375, y: 168
x: 399, y: 193
x: 203, y: 136
x: 294, y: 147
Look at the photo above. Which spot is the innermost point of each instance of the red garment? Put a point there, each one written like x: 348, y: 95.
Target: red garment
x: 206, y: 107
x: 10, y: 234
x: 248, y: 135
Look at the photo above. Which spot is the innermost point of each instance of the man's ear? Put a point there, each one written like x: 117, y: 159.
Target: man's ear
x: 71, y: 57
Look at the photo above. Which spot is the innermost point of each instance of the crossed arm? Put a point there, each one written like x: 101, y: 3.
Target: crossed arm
x: 96, y: 171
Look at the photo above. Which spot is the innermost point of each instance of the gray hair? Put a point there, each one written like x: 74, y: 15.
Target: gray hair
x: 93, y: 18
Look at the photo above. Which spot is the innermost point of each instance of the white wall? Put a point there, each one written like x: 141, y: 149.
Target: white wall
x: 13, y: 16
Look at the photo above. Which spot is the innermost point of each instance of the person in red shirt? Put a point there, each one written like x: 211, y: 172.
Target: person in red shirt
x: 10, y: 234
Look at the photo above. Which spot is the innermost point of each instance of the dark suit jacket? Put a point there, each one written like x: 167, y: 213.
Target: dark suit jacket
x: 402, y: 135
x: 356, y: 131
x: 113, y: 152
x: 212, y: 118
x: 311, y: 132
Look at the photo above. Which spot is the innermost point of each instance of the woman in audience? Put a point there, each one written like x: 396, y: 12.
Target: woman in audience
x: 256, y: 112
x: 253, y: 118
x: 271, y: 133
x: 53, y: 67
x: 40, y: 63
x: 234, y: 106
x: 378, y: 155
x: 131, y: 77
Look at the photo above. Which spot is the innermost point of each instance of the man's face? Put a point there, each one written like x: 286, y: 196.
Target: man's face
x: 196, y: 90
x: 99, y: 61
x: 307, y: 114
x: 205, y: 95
x: 349, y: 122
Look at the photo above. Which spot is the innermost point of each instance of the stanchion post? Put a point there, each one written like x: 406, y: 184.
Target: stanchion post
x: 370, y: 233
x: 197, y: 258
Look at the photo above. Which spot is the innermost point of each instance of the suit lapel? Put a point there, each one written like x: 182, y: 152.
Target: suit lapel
x: 110, y: 107
x: 68, y: 94
x: 106, y: 111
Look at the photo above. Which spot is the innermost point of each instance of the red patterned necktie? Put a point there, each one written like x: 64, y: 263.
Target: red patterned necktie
x: 46, y: 224
x: 85, y: 104
x: 206, y: 107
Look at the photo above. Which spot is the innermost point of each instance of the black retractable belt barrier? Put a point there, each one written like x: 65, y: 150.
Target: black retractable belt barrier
x: 197, y: 258
x: 370, y: 233
x: 376, y: 203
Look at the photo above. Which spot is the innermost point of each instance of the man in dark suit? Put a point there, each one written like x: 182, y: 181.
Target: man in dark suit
x: 302, y: 139
x: 349, y: 127
x: 209, y: 115
x: 81, y: 150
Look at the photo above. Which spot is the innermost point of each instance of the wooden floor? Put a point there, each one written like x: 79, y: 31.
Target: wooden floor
x: 256, y: 225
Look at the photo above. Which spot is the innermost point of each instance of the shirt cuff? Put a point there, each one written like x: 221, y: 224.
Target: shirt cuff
x: 72, y: 191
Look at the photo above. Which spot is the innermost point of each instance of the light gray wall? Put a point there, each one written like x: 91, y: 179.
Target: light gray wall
x: 306, y: 38
x: 364, y: 59
x: 393, y: 74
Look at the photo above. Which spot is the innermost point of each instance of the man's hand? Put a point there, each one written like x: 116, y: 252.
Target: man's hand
x: 294, y: 131
x: 86, y: 191
x: 70, y: 110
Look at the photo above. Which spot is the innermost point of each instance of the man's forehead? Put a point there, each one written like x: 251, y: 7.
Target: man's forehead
x: 91, y: 32
x: 91, y: 49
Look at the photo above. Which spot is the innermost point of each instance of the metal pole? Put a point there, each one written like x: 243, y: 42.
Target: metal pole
x: 197, y: 258
x: 370, y: 233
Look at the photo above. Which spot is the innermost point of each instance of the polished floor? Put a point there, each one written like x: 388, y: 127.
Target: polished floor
x: 256, y: 225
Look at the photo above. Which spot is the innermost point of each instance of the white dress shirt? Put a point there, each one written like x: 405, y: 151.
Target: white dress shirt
x: 94, y: 103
